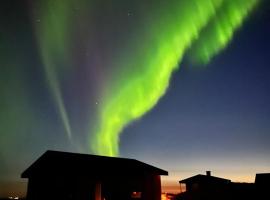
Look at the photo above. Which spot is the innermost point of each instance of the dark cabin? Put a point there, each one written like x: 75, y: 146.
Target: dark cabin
x: 68, y: 176
x: 200, y: 187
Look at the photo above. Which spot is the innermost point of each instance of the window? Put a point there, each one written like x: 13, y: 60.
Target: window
x: 136, y: 195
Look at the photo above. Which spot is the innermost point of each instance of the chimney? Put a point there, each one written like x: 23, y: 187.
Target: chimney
x: 208, y: 173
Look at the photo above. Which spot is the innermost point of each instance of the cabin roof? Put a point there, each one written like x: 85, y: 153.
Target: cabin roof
x: 204, y: 178
x: 75, y: 164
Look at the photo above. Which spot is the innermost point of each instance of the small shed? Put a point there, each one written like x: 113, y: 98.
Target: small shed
x: 67, y: 176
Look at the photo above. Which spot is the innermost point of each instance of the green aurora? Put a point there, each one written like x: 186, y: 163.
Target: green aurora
x: 52, y: 36
x: 205, y: 26
x: 170, y: 30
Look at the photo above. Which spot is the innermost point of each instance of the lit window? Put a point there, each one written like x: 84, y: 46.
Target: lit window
x: 136, y: 195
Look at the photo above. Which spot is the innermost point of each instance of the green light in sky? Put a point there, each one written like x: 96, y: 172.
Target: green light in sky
x: 220, y: 29
x: 53, y: 38
x: 206, y: 25
x: 171, y: 29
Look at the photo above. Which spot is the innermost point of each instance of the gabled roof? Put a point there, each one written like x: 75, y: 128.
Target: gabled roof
x: 75, y: 164
x: 204, y: 178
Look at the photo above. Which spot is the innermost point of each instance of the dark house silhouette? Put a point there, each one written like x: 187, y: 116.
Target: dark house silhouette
x: 200, y: 187
x: 207, y: 187
x: 67, y: 176
x: 262, y: 183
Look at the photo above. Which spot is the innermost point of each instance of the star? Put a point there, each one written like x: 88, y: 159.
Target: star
x: 129, y: 13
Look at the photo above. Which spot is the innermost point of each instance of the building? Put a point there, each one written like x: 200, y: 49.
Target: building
x: 207, y: 187
x: 200, y: 187
x: 262, y: 183
x: 67, y: 176
x: 262, y: 180
x: 206, y: 182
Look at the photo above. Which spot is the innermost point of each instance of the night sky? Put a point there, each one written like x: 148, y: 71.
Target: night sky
x: 182, y: 85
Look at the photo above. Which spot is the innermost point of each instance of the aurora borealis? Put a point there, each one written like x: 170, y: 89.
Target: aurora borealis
x: 162, y: 52
x: 173, y: 83
x: 155, y: 62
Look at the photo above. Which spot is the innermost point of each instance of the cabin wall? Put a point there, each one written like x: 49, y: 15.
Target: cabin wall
x: 146, y: 187
x: 58, y: 188
x: 121, y: 187
x: 152, y: 188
